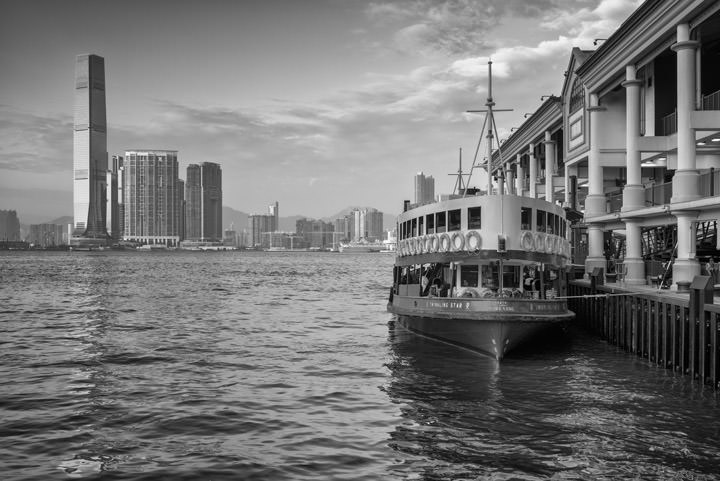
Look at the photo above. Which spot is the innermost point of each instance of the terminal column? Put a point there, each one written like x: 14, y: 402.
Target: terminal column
x: 633, y: 193
x: 595, y: 200
x: 533, y: 171
x: 520, y: 180
x: 685, y: 180
x: 550, y: 162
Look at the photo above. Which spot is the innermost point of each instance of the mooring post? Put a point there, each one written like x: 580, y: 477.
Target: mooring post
x: 701, y: 293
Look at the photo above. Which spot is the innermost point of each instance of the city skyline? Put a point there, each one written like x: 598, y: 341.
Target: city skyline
x: 326, y: 103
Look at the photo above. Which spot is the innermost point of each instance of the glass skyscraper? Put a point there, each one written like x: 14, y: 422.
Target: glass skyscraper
x: 90, y: 158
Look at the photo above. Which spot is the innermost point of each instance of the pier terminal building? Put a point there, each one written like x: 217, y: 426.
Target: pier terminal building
x: 632, y: 145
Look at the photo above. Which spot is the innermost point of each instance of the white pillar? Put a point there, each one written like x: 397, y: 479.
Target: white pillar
x: 595, y: 200
x: 685, y: 180
x: 550, y: 162
x: 510, y: 182
x: 533, y: 171
x: 633, y: 193
x: 520, y: 180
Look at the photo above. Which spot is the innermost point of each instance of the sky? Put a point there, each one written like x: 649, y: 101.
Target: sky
x: 316, y: 104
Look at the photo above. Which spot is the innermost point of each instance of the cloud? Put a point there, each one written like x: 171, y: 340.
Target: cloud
x: 33, y: 143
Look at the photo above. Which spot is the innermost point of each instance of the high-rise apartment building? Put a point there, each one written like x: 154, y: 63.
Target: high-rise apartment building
x: 203, y: 202
x: 151, y: 197
x: 9, y: 226
x: 46, y: 235
x: 424, y: 188
x: 116, y: 212
x: 260, y: 225
x: 193, y: 203
x: 274, y: 211
x: 89, y: 152
x: 366, y: 224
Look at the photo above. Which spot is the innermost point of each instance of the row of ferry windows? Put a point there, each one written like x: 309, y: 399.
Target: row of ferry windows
x: 439, y: 222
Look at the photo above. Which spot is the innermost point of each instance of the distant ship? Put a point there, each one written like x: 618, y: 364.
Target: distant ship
x: 362, y: 246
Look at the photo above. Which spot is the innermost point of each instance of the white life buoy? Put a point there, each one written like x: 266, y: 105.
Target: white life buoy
x: 434, y: 243
x: 444, y: 242
x: 428, y: 243
x: 539, y: 242
x: 472, y: 241
x: 549, y: 240
x: 458, y: 241
x: 526, y: 241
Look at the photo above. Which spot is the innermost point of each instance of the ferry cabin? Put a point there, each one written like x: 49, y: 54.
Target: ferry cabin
x: 483, y: 246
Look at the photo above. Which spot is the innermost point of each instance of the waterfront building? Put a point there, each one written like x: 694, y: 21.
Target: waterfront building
x: 259, y: 225
x: 47, y: 235
x: 180, y: 212
x: 367, y: 224
x: 632, y: 143
x: 151, y: 193
x: 342, y: 229
x: 203, y: 196
x: 118, y: 213
x: 274, y: 210
x: 424, y: 188
x: 89, y: 152
x: 9, y: 226
x: 316, y: 234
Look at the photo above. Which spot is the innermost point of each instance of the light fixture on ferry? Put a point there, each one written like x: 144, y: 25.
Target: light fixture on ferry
x: 716, y: 139
x: 701, y: 143
x: 527, y: 115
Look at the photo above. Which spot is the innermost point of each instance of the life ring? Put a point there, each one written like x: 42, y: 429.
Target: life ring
x: 434, y: 243
x: 472, y: 241
x: 458, y: 241
x: 527, y: 242
x: 539, y: 242
x: 420, y: 245
x: 549, y: 240
x: 444, y: 243
x: 428, y: 243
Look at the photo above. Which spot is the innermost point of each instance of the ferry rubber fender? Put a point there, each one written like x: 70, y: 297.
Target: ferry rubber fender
x: 444, y: 245
x: 472, y: 241
x: 526, y: 241
x: 539, y: 242
x: 458, y: 241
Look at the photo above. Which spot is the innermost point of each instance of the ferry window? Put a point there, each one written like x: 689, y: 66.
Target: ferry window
x: 414, y: 227
x: 441, y: 222
x: 430, y: 224
x: 526, y: 218
x: 469, y: 276
x: 420, y: 225
x: 474, y: 218
x: 563, y: 225
x: 541, y: 216
x: 490, y: 276
x: 454, y: 220
x: 511, y: 277
x: 550, y: 223
x: 558, y: 219
x: 407, y: 229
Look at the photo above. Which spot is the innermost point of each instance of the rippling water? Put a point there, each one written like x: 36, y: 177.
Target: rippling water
x: 236, y: 365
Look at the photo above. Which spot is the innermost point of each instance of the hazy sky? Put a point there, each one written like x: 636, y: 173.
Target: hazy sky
x: 318, y: 104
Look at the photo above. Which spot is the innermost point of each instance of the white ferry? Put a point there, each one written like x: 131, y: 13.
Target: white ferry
x: 485, y: 272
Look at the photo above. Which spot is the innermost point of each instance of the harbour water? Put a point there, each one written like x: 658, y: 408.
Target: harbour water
x: 237, y: 365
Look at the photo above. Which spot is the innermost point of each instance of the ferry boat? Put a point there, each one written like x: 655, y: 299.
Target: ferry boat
x: 361, y: 247
x: 485, y: 271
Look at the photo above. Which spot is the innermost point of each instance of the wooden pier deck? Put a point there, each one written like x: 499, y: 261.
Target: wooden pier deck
x: 675, y: 330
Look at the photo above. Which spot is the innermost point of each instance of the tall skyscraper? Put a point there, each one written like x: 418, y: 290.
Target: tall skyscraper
x: 193, y: 203
x: 212, y: 229
x: 203, y: 197
x: 90, y: 161
x: 367, y: 224
x: 424, y: 188
x: 274, y: 211
x: 151, y: 197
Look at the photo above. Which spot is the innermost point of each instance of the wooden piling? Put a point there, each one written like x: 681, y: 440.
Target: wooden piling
x: 671, y: 330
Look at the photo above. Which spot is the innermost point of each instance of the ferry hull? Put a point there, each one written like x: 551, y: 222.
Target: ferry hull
x: 491, y: 327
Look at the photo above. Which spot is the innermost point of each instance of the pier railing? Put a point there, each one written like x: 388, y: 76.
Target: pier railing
x: 677, y: 332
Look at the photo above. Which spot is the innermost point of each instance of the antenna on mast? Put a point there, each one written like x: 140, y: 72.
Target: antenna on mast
x: 460, y: 184
x: 491, y: 128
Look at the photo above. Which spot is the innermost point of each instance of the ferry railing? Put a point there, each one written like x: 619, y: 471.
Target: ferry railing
x: 680, y: 332
x: 668, y: 124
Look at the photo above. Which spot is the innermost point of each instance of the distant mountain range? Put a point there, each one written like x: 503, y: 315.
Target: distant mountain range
x: 240, y: 219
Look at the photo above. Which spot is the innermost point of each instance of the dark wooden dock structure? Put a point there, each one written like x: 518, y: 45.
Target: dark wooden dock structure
x: 671, y: 329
